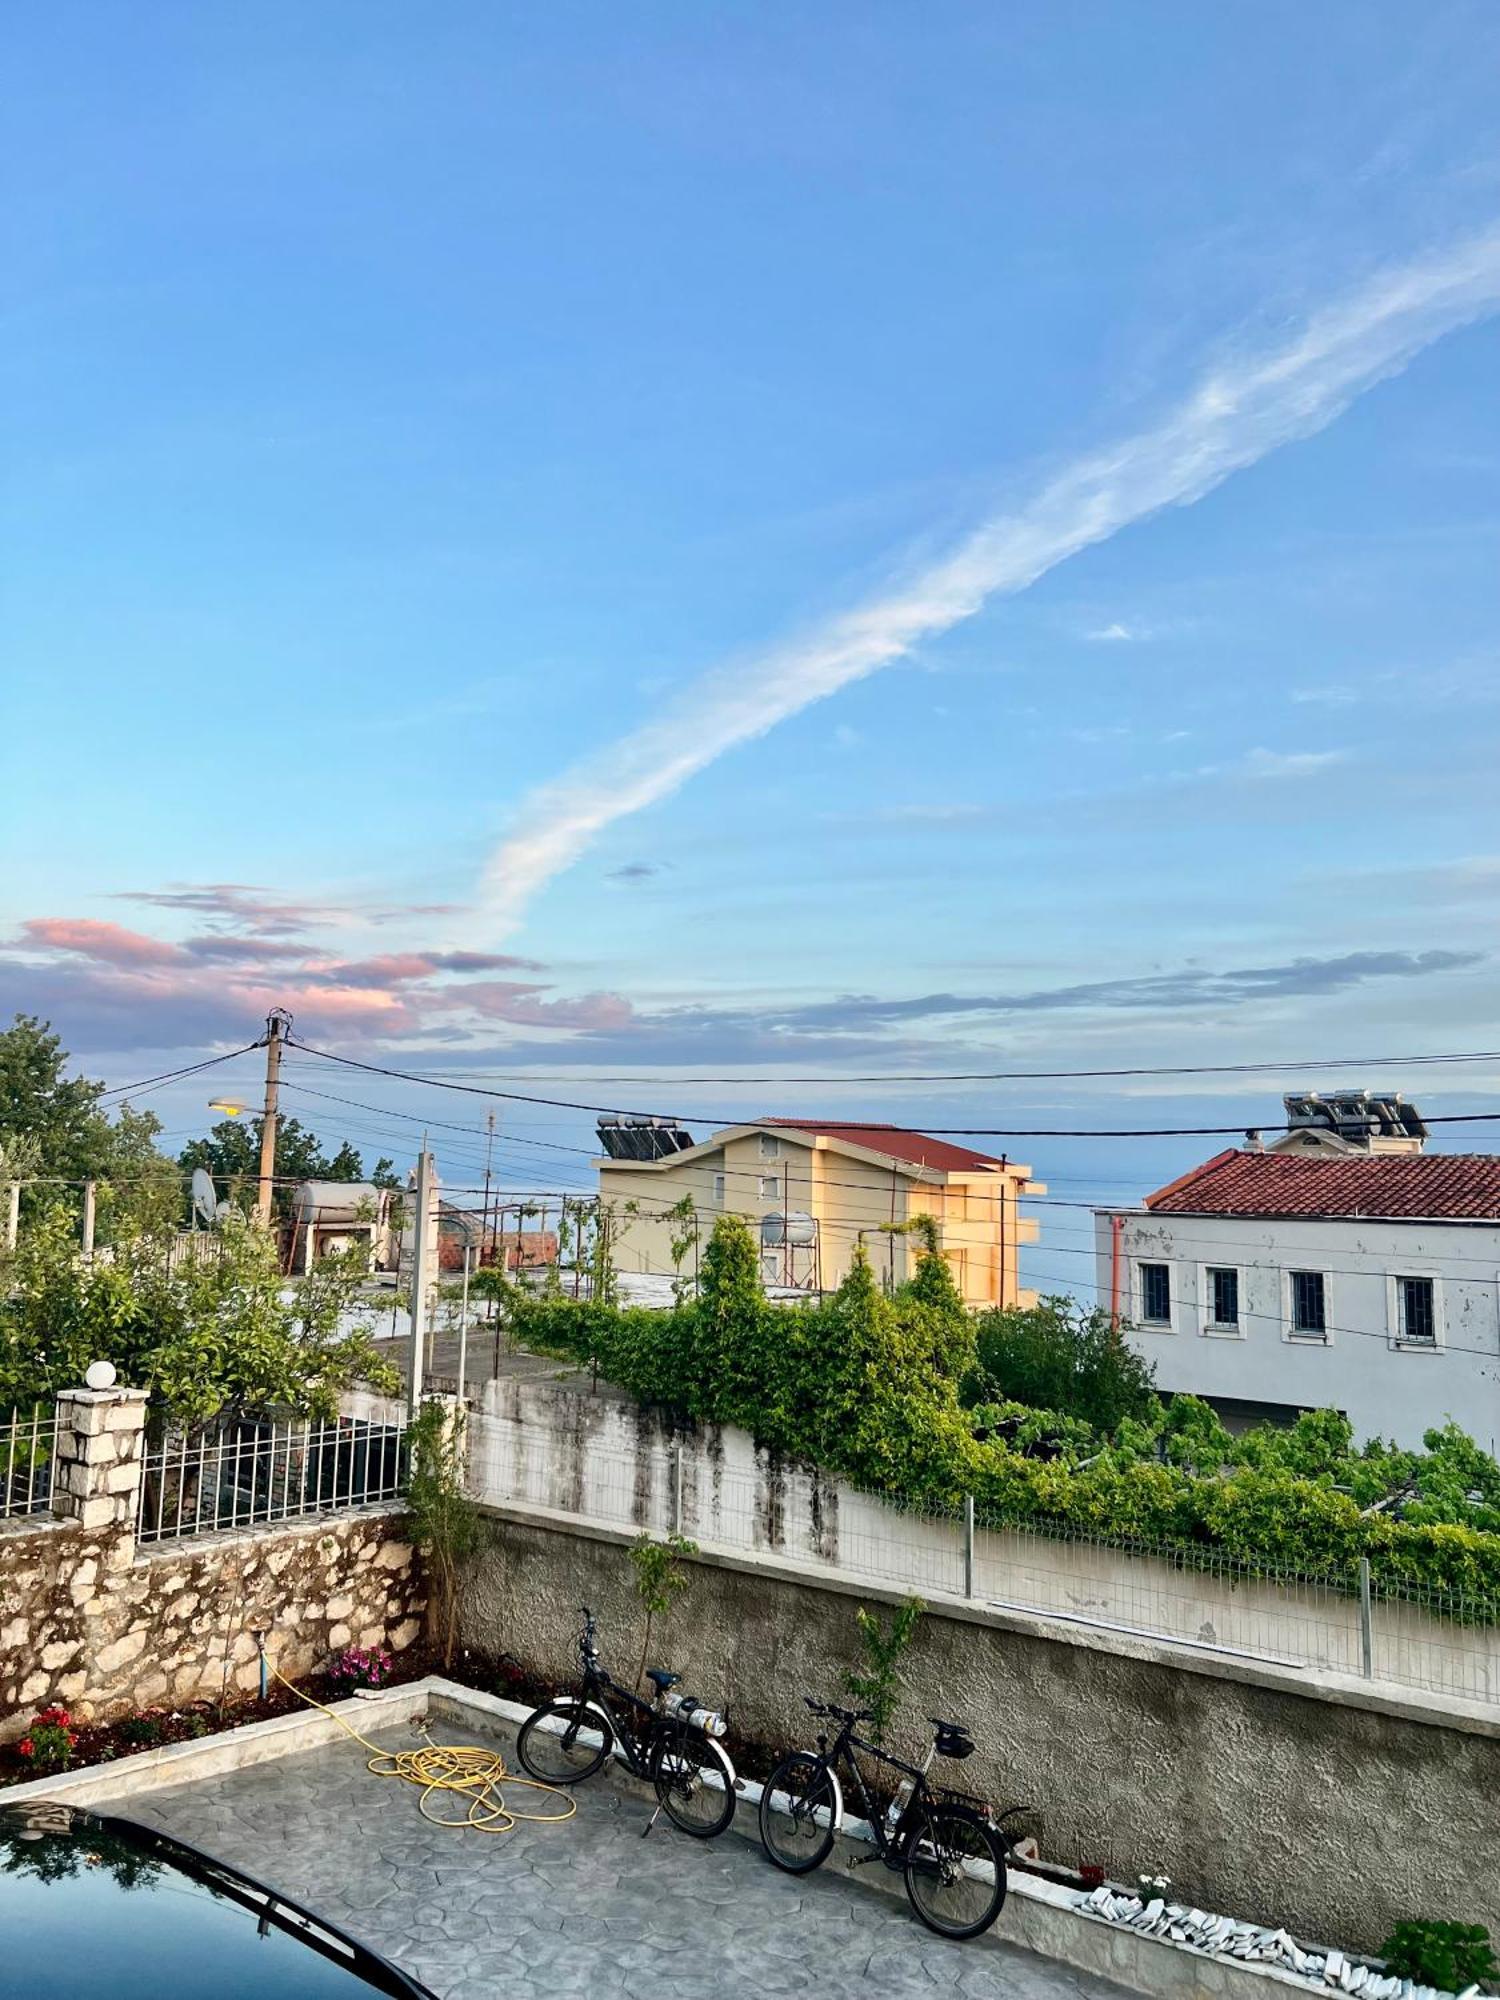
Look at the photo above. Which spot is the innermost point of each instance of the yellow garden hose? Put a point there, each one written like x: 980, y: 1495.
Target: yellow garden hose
x: 473, y: 1773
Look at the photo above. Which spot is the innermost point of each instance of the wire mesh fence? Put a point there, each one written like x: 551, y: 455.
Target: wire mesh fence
x: 28, y: 1456
x: 249, y: 1470
x: 1347, y: 1624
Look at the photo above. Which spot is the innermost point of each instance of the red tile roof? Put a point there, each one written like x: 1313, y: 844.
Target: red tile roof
x: 1403, y: 1186
x: 916, y: 1148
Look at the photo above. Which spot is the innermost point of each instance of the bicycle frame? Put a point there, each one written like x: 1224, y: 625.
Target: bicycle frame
x: 632, y: 1718
x: 887, y: 1839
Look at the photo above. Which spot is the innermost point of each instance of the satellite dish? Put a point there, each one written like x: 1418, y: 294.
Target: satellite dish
x: 205, y: 1199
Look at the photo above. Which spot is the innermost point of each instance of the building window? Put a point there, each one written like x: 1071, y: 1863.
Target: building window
x: 1309, y: 1305
x: 1156, y: 1294
x: 719, y: 1185
x: 770, y: 1148
x: 1416, y: 1312
x: 1224, y: 1297
x: 770, y: 1186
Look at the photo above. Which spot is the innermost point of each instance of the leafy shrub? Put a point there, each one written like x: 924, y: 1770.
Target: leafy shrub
x: 49, y: 1741
x: 875, y: 1388
x: 143, y: 1728
x: 359, y: 1667
x: 1451, y: 1957
x: 875, y: 1684
x: 1058, y: 1356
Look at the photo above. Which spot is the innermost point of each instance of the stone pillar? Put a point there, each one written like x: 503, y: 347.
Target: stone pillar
x: 100, y: 1439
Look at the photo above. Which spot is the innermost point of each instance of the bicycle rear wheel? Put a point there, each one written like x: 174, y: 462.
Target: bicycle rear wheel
x: 954, y: 1867
x: 694, y: 1781
x: 565, y: 1740
x: 799, y: 1810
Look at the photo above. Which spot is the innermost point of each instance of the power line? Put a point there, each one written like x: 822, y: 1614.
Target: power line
x: 708, y: 1173
x: 171, y: 1075
x: 850, y: 1126
x: 1036, y: 1075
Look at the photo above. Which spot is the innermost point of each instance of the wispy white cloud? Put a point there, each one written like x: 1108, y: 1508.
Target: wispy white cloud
x: 1239, y: 413
x: 1287, y: 763
x: 1116, y: 634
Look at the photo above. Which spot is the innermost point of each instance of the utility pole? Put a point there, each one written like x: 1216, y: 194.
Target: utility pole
x: 13, y: 1215
x: 423, y: 1244
x: 89, y: 1195
x: 278, y: 1021
x: 484, y: 1220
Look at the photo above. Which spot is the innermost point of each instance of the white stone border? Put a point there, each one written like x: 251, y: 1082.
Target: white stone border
x: 1042, y: 1916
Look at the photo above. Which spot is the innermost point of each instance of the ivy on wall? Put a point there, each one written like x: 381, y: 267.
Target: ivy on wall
x: 883, y: 1389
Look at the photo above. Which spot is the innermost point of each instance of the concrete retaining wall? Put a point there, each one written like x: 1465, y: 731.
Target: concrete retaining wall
x: 1335, y: 1812
x: 597, y: 1454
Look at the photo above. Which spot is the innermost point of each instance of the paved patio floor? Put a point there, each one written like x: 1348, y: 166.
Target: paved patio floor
x: 586, y: 1907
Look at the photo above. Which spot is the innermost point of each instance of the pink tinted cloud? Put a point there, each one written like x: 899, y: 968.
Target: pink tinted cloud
x: 109, y: 944
x: 139, y: 991
x: 503, y: 1000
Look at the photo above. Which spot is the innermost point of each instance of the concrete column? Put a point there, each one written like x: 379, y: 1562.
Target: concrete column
x: 100, y: 1441
x: 89, y: 1194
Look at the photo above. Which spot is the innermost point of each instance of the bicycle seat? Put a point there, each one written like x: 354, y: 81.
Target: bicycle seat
x: 951, y: 1728
x: 661, y: 1680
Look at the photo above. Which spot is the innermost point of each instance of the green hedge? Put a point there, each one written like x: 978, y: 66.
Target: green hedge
x: 872, y: 1388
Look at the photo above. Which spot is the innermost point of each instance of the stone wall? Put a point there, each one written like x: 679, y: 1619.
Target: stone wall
x: 90, y: 1620
x: 1335, y: 1814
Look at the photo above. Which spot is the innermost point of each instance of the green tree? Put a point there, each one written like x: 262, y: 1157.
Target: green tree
x: 445, y: 1525
x: 57, y: 1116
x: 231, y: 1154
x: 876, y: 1683
x: 1059, y: 1355
x: 660, y: 1580
x: 226, y: 1334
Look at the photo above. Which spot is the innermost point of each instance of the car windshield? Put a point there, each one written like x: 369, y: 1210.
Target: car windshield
x: 91, y: 1905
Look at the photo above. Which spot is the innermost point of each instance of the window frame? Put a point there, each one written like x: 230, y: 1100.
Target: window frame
x: 770, y: 1146
x: 1298, y: 1335
x: 1211, y: 1327
x: 1399, y: 1340
x: 721, y: 1189
x: 1148, y: 1325
x: 770, y: 1187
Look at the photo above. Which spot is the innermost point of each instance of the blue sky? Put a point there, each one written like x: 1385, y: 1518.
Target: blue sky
x: 404, y: 412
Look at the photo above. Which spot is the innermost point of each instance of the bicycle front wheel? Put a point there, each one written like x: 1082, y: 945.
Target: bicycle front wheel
x: 798, y: 1813
x: 565, y: 1740
x: 694, y: 1782
x: 954, y: 1867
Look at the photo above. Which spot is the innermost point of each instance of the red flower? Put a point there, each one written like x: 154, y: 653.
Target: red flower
x: 25, y: 1746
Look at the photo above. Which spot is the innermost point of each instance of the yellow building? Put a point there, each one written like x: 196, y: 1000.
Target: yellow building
x: 812, y: 1190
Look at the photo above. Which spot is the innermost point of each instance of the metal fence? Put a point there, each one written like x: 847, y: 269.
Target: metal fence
x: 246, y: 1471
x: 28, y: 1454
x: 1351, y: 1625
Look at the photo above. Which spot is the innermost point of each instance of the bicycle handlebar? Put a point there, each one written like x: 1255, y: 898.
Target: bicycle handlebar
x: 848, y: 1715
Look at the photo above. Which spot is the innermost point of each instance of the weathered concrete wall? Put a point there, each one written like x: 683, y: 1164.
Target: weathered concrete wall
x: 1333, y: 1815
x: 544, y: 1443
x: 87, y: 1621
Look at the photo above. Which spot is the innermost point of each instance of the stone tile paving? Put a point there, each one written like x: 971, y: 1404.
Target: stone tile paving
x: 586, y: 1907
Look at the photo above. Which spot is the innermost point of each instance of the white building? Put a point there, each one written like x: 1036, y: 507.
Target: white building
x: 1339, y: 1276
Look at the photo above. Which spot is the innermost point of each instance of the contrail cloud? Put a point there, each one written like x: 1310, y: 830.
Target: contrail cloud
x: 1236, y: 416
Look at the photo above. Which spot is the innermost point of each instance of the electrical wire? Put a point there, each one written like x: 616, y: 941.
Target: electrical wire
x: 1034, y: 1075
x: 172, y: 1075
x: 850, y: 1125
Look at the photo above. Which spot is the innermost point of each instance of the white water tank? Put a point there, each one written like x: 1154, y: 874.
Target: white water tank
x: 331, y: 1204
x: 794, y: 1227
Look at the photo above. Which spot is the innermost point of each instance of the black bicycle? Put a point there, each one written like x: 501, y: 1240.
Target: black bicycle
x: 671, y: 1741
x: 952, y: 1858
